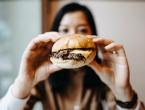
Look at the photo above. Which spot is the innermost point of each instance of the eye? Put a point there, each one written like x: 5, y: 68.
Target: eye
x: 82, y: 30
x: 64, y: 30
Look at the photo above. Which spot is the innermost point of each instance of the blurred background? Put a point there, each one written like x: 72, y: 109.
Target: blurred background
x: 121, y: 20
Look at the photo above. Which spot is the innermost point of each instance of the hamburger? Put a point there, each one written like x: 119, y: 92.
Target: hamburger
x: 73, y: 51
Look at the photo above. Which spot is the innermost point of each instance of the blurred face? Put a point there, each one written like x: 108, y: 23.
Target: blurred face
x: 74, y: 23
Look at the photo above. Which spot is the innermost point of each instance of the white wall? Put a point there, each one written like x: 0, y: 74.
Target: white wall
x: 23, y: 17
x: 25, y: 20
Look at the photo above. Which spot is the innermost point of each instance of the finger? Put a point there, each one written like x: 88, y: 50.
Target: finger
x: 94, y: 36
x: 91, y: 36
x: 43, y: 39
x: 101, y: 70
x: 46, y: 37
x: 45, y: 70
x: 115, y: 48
x: 96, y: 67
x: 54, y: 68
x: 102, y: 41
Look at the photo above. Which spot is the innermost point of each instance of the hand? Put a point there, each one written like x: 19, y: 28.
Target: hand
x: 35, y: 64
x: 114, y: 70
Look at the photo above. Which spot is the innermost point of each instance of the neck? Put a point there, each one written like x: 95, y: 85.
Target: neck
x: 74, y: 91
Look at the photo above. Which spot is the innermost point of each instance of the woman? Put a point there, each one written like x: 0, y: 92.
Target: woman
x: 85, y: 88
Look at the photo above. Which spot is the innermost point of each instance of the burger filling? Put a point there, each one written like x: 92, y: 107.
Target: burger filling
x: 66, y: 54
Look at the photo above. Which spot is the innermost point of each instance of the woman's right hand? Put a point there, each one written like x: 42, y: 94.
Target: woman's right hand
x: 35, y: 64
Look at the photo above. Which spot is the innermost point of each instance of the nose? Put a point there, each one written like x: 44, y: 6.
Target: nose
x: 72, y: 31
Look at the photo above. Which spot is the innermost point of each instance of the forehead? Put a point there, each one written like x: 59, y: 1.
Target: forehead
x: 77, y: 17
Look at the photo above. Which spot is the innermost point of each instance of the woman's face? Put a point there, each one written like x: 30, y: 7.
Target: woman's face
x: 74, y: 23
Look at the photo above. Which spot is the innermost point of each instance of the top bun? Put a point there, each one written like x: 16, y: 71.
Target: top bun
x: 73, y: 51
x: 73, y: 41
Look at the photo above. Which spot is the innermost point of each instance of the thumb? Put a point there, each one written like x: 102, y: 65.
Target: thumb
x: 53, y: 68
x: 96, y: 67
x: 100, y: 69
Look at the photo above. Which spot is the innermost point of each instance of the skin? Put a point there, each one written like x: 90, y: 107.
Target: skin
x: 36, y: 66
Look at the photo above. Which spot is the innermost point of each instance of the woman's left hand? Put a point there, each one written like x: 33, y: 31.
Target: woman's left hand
x: 114, y: 69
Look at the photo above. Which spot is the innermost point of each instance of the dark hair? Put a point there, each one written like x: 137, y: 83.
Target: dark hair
x: 72, y: 7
